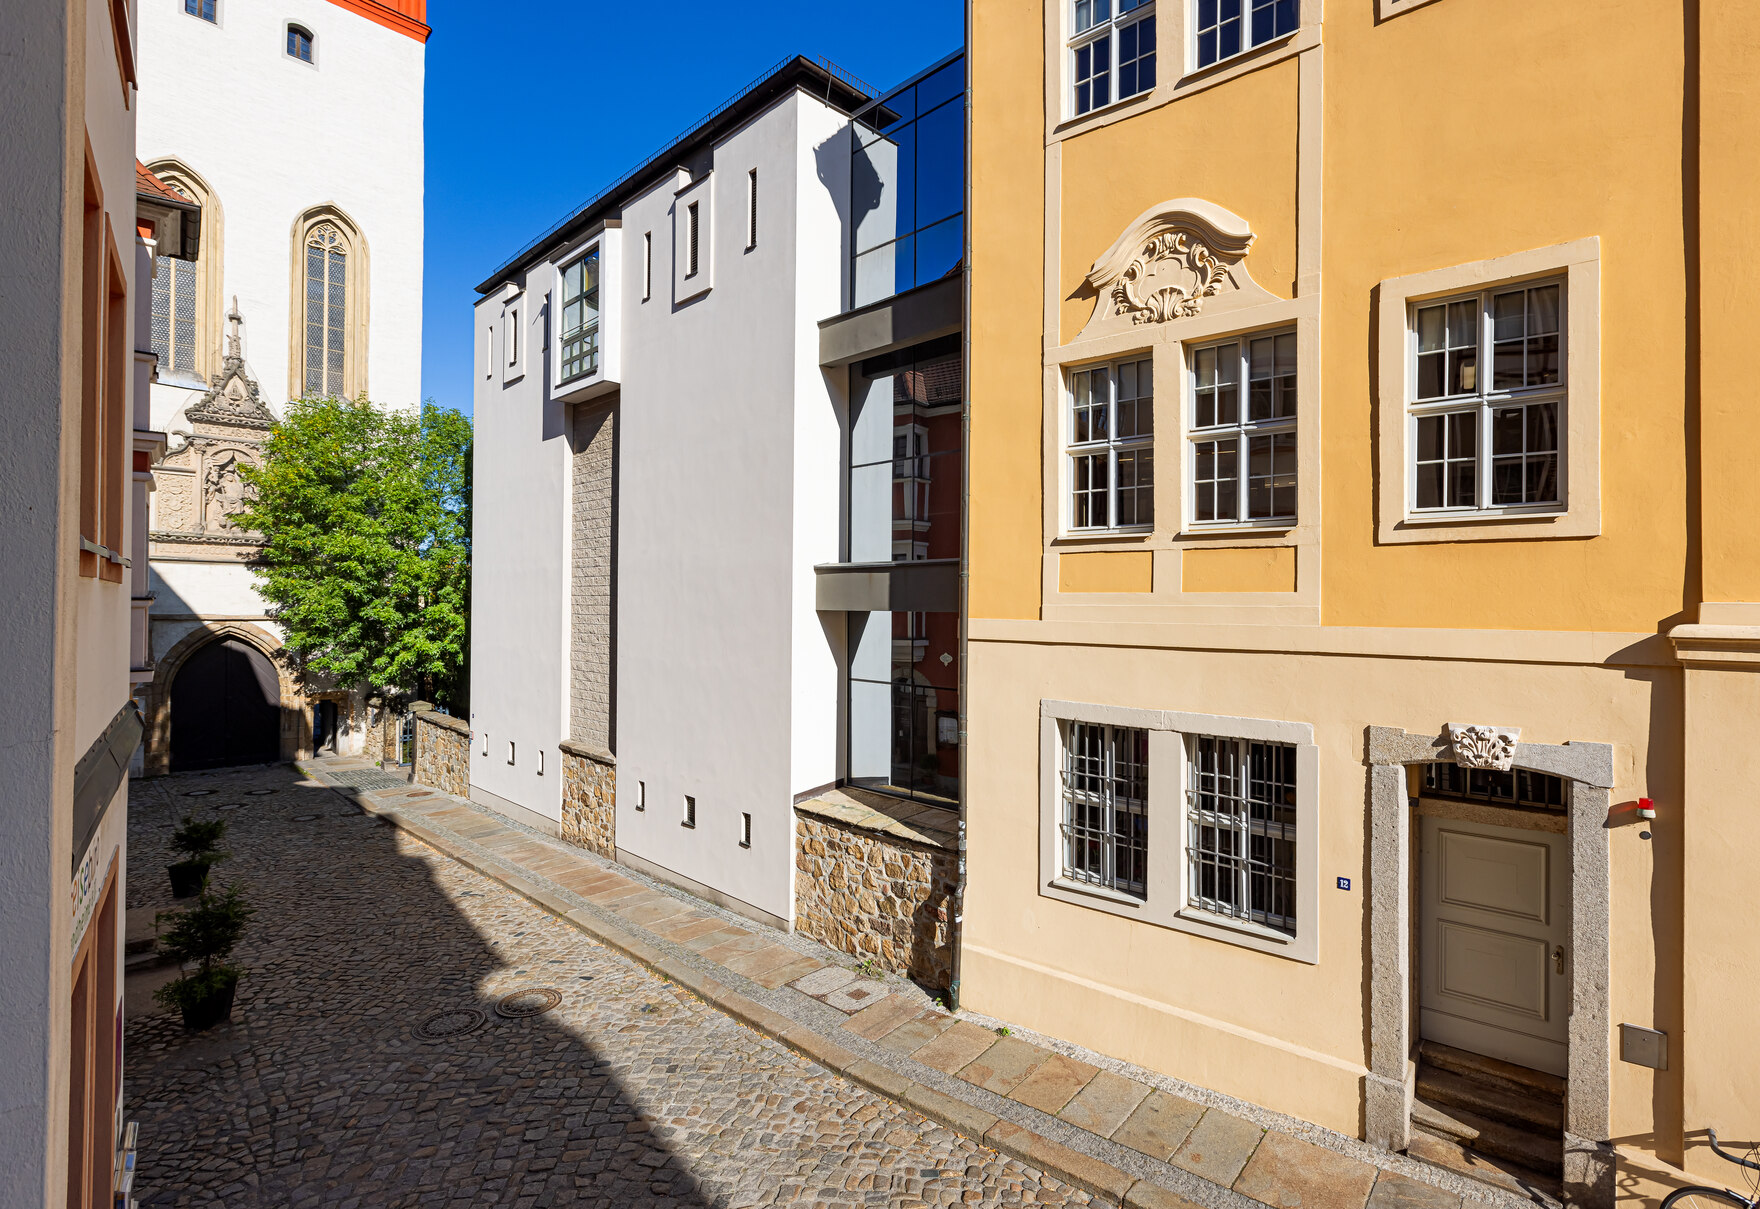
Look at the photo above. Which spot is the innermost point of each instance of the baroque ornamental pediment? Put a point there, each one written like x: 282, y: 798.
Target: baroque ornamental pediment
x: 1176, y: 260
x: 233, y: 399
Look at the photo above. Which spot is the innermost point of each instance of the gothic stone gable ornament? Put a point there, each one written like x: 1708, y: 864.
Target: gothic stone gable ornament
x: 1492, y: 747
x: 1176, y: 259
x: 232, y: 396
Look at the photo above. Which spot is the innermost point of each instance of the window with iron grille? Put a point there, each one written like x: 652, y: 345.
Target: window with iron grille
x: 1112, y: 446
x: 1486, y: 401
x: 1517, y: 787
x: 1241, y: 830
x: 1106, y: 806
x: 1112, y: 52
x: 580, y: 318
x: 174, y: 314
x: 1243, y: 431
x: 326, y: 310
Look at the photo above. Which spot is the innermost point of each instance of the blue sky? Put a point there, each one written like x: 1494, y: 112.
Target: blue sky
x: 533, y: 108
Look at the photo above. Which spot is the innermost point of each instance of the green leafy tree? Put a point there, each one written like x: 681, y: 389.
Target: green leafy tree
x: 366, y: 562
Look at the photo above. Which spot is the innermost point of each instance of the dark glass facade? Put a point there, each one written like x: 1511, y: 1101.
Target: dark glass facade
x: 907, y: 185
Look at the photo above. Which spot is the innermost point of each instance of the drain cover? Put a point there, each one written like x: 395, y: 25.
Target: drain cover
x: 304, y: 818
x: 450, y: 1024
x: 257, y: 793
x: 534, y: 1001
x: 198, y: 793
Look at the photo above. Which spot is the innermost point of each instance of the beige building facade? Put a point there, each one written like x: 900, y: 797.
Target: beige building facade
x: 1354, y: 447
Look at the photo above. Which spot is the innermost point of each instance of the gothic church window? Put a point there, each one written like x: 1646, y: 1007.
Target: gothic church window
x: 186, y: 308
x: 326, y: 310
x: 174, y: 315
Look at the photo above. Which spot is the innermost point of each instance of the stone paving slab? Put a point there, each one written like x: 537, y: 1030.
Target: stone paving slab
x: 1117, y: 1136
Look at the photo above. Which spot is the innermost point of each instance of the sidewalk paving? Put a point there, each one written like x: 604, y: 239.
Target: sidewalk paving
x: 1120, y: 1137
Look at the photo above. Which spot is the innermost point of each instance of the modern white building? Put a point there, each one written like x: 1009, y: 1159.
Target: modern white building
x: 297, y: 127
x: 673, y: 547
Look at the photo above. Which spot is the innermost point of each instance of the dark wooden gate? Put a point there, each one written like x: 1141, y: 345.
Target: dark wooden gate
x: 225, y: 708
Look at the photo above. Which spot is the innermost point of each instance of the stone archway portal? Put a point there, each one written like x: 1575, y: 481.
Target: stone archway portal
x: 225, y: 708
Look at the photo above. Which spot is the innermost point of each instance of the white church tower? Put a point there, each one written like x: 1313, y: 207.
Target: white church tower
x: 297, y: 124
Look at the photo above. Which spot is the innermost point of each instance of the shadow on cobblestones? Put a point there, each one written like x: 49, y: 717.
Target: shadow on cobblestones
x: 320, y: 1091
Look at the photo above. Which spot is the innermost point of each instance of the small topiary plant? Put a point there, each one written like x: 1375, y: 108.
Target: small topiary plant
x: 199, y: 842
x: 204, y: 935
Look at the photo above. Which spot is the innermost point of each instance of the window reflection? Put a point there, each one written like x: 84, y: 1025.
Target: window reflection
x: 907, y: 186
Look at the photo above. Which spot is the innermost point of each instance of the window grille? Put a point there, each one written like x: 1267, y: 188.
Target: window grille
x: 1243, y: 459
x: 326, y: 310
x: 1487, y: 441
x: 580, y: 317
x: 1517, y: 787
x: 1227, y: 28
x: 1106, y: 806
x: 691, y: 240
x: 690, y: 812
x: 1241, y: 821
x: 174, y: 314
x: 1111, y: 449
x: 752, y: 213
x: 205, y: 9
x: 1110, y: 48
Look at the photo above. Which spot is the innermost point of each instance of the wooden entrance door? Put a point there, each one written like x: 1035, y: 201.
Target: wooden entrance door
x: 225, y: 708
x: 1493, y: 932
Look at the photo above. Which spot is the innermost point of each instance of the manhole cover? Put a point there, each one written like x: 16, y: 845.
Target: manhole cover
x: 450, y: 1024
x: 304, y: 818
x: 257, y: 793
x: 198, y: 793
x: 231, y: 806
x: 534, y: 1001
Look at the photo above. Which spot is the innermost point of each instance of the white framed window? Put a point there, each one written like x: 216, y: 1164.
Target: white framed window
x: 1241, y: 840
x: 1111, y: 52
x: 1111, y: 446
x: 1223, y: 29
x: 693, y: 227
x: 579, y: 357
x: 1104, y: 809
x: 1241, y: 434
x: 1486, y: 401
x: 1199, y: 823
x: 693, y: 238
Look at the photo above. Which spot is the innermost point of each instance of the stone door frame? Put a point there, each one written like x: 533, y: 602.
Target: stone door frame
x: 155, y: 694
x: 1587, y: 769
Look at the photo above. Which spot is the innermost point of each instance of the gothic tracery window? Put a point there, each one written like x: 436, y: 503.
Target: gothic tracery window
x: 326, y: 258
x: 174, y: 314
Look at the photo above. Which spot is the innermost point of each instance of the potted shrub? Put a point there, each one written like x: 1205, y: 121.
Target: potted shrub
x: 204, y: 934
x: 199, y: 842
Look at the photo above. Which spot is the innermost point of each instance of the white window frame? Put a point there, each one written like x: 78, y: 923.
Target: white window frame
x: 1111, y: 446
x: 1578, y: 264
x: 692, y: 281
x: 1242, y: 430
x: 1108, y: 29
x: 1195, y: 14
x: 198, y: 13
x: 1485, y: 400
x: 513, y: 342
x: 1165, y: 902
x: 311, y: 37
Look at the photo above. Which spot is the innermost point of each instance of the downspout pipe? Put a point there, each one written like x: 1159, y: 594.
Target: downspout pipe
x: 965, y: 532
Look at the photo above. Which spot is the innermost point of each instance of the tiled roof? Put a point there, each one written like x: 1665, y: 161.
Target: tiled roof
x: 151, y: 186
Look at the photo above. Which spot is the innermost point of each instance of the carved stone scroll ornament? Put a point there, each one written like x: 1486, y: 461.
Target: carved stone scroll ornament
x: 1169, y: 261
x: 1492, y: 747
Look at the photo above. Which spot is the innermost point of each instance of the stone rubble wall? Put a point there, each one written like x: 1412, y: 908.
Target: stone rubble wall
x: 876, y: 896
x: 443, y: 753
x: 589, y: 800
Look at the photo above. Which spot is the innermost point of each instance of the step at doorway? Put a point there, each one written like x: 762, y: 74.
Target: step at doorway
x: 1498, y: 1122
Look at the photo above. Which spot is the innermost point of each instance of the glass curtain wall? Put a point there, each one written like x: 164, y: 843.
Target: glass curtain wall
x: 905, y: 501
x: 907, y: 186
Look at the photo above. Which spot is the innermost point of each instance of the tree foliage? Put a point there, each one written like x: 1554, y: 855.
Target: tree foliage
x: 365, y: 515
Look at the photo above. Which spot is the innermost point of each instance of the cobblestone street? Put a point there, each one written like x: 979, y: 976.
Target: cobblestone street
x: 630, y: 1091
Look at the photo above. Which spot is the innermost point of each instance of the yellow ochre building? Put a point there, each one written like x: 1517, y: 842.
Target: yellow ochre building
x: 1363, y: 544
